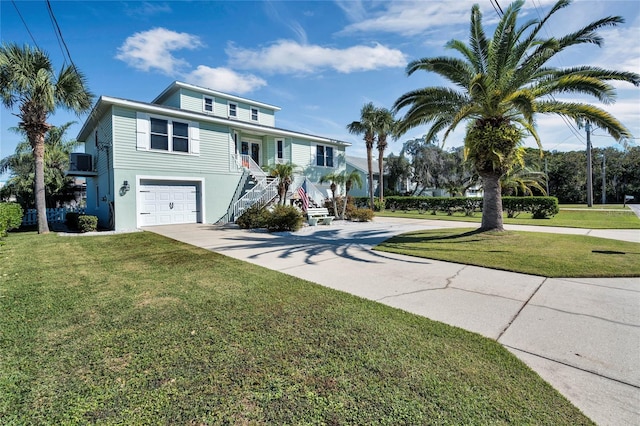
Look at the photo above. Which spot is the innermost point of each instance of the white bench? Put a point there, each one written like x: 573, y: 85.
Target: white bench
x: 315, y: 215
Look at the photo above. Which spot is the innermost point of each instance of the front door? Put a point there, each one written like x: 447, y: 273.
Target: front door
x: 255, y: 152
x: 252, y: 148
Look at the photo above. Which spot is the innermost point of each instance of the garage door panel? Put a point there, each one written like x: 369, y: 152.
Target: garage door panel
x: 168, y: 204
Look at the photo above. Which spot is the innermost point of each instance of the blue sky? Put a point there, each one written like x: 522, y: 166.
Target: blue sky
x: 320, y: 61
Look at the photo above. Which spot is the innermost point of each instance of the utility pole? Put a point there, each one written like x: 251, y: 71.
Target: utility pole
x: 604, y: 179
x: 587, y: 127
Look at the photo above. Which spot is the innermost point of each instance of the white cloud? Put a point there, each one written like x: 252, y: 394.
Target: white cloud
x: 152, y: 50
x: 410, y: 18
x: 224, y: 79
x: 287, y: 57
x: 354, y: 9
x: 146, y: 9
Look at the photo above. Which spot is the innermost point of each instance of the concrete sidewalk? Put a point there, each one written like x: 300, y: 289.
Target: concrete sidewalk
x: 581, y: 335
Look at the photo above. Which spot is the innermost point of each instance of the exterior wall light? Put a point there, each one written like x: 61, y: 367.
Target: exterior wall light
x: 125, y: 187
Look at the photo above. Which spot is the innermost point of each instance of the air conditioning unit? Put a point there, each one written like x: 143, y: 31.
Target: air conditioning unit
x: 80, y: 162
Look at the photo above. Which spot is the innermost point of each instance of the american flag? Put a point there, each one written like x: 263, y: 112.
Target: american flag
x: 303, y: 196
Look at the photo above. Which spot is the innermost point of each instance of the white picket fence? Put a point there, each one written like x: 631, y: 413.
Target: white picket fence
x: 53, y: 215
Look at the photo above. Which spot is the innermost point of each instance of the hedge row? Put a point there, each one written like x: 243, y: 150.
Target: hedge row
x: 10, y: 217
x: 539, y: 207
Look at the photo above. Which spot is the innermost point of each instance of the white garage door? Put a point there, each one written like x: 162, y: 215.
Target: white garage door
x: 168, y: 204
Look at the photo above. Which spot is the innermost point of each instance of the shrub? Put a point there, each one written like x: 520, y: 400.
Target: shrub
x: 72, y: 220
x: 10, y: 217
x: 360, y: 215
x: 539, y: 207
x: 379, y: 205
x: 545, y: 207
x: 87, y: 223
x: 284, y: 218
x: 254, y: 217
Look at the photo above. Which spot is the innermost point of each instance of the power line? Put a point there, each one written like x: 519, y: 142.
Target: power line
x: 58, y: 32
x: 496, y: 9
x: 24, y: 23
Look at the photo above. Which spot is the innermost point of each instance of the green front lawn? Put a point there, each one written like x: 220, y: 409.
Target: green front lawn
x: 140, y: 329
x: 581, y: 218
x: 536, y: 253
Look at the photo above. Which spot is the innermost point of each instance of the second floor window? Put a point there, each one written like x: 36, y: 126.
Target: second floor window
x: 324, y: 156
x: 254, y: 114
x: 168, y: 135
x: 208, y: 104
x: 233, y: 111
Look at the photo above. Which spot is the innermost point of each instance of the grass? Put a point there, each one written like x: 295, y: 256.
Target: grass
x: 595, y: 206
x: 544, y: 254
x: 140, y: 329
x: 582, y: 218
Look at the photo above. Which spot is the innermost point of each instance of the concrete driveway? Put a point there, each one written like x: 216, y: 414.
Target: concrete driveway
x: 581, y: 335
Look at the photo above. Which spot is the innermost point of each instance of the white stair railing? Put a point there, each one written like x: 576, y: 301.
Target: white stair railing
x: 263, y: 192
x: 265, y: 189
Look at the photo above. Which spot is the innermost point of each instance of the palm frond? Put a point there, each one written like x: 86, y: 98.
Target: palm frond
x: 595, y: 115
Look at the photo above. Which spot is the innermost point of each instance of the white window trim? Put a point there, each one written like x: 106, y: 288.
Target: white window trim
x: 143, y: 134
x: 257, y: 110
x: 229, y: 110
x: 324, y: 160
x: 204, y: 104
x: 282, y: 160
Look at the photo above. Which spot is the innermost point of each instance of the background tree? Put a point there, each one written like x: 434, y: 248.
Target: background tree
x: 499, y: 87
x: 567, y: 176
x: 284, y: 173
x: 335, y: 179
x: 428, y: 161
x: 367, y: 127
x: 384, y: 125
x: 460, y: 175
x: 350, y: 179
x: 398, y: 169
x: 27, y: 79
x: 59, y: 188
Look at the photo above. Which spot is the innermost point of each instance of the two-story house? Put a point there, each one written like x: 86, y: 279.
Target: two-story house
x: 192, y: 155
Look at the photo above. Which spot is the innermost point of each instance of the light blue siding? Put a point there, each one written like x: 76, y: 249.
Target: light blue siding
x: 100, y: 188
x: 173, y: 100
x: 191, y: 100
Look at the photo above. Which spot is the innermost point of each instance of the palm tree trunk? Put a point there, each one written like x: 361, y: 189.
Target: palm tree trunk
x: 39, y: 187
x: 347, y: 188
x: 344, y: 206
x: 491, y: 203
x: 381, y: 176
x: 370, y: 167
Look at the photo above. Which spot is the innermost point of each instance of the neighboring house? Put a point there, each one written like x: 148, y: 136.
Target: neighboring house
x: 360, y: 165
x: 192, y: 155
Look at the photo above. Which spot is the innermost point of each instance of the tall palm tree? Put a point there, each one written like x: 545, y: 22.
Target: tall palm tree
x: 501, y: 84
x: 349, y: 180
x: 335, y: 179
x: 27, y: 79
x: 284, y: 172
x: 385, y: 125
x: 367, y: 127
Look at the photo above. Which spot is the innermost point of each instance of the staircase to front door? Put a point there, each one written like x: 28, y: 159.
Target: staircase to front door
x: 255, y: 187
